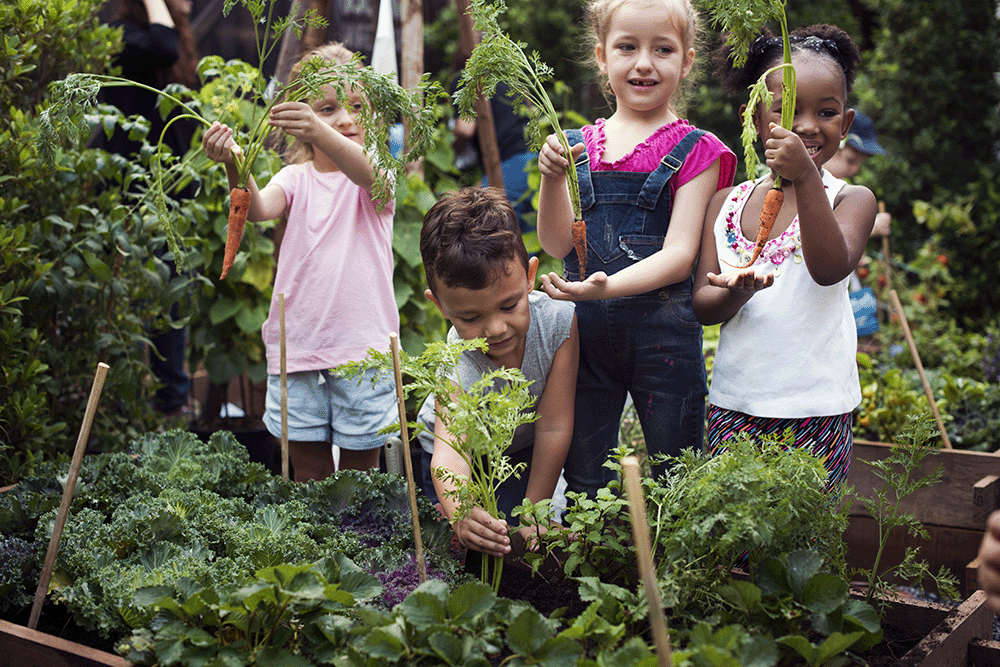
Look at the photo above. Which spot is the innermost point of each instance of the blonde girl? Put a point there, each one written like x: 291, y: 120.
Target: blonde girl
x: 646, y: 177
x: 335, y: 270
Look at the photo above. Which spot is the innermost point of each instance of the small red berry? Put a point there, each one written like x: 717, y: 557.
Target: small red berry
x: 882, y: 281
x: 920, y: 297
x: 942, y: 259
x: 863, y: 272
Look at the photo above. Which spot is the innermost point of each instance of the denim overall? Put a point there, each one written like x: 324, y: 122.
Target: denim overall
x: 648, y: 345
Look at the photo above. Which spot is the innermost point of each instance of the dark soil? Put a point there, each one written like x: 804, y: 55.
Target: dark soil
x: 55, y: 620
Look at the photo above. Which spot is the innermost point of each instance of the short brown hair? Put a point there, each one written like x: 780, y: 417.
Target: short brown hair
x: 468, y: 238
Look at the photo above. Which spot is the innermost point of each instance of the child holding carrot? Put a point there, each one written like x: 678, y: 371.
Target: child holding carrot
x: 335, y: 270
x: 786, y: 355
x: 646, y: 177
x: 481, y: 279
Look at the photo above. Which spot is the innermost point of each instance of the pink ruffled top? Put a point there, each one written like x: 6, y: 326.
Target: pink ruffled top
x: 646, y: 156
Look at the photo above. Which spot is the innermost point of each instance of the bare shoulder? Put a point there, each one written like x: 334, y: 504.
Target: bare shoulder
x: 855, y: 194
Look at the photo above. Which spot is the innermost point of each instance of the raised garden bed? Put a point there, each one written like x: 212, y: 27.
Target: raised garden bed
x: 953, y: 512
x: 952, y: 637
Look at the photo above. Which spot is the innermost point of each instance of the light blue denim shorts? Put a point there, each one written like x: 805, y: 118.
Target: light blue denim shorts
x: 324, y: 407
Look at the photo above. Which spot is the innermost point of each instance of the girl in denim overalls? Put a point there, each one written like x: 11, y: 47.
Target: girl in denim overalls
x: 646, y: 177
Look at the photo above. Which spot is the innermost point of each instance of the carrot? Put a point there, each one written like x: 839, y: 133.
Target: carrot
x: 580, y: 244
x: 768, y: 214
x: 239, y: 208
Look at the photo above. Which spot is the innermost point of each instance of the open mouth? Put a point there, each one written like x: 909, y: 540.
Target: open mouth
x: 642, y: 83
x: 812, y: 150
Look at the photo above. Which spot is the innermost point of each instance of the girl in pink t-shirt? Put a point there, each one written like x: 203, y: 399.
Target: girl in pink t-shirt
x: 335, y: 270
x: 646, y: 178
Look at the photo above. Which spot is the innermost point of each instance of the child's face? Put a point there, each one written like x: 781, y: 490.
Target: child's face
x: 847, y: 162
x: 341, y: 116
x: 643, y: 55
x: 499, y: 312
x: 822, y: 118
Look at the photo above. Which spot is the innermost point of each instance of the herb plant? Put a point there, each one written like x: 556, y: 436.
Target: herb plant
x: 898, y: 471
x: 497, y: 58
x: 234, y: 83
x: 480, y: 418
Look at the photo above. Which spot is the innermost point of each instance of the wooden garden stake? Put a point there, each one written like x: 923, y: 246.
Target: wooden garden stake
x: 898, y: 307
x: 67, y: 496
x: 407, y: 462
x: 640, y: 533
x: 284, y: 388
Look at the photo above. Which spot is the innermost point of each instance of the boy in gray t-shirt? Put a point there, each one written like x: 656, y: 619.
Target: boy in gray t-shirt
x: 482, y: 280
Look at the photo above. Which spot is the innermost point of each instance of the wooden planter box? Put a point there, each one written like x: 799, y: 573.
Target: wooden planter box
x: 953, y: 637
x: 953, y: 512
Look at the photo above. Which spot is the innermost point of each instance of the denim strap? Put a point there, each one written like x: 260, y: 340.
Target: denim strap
x: 668, y: 166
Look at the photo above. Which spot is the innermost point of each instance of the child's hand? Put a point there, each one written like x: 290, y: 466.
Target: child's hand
x: 297, y: 119
x: 219, y: 145
x: 481, y: 532
x: 551, y: 161
x: 785, y: 154
x: 741, y: 281
x: 594, y: 287
x: 989, y: 562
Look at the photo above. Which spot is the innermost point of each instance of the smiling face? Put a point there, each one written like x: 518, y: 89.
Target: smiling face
x: 644, y: 55
x: 822, y: 118
x: 499, y: 312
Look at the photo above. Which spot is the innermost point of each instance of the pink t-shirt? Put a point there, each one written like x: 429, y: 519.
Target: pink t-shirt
x: 335, y: 270
x: 646, y: 156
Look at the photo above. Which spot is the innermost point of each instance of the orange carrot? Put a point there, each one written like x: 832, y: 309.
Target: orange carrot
x: 768, y: 214
x: 239, y: 208
x: 580, y: 244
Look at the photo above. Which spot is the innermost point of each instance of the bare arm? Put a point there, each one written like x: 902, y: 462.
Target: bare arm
x: 555, y: 210
x: 833, y: 239
x: 667, y: 266
x: 219, y: 146
x: 554, y: 427
x: 299, y: 120
x: 717, y: 296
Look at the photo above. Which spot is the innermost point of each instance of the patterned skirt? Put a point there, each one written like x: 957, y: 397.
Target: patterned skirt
x: 828, y: 438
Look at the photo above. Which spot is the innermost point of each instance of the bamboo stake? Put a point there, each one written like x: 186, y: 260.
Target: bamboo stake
x: 640, y: 533
x: 898, y: 307
x: 67, y: 495
x: 284, y: 388
x: 407, y: 462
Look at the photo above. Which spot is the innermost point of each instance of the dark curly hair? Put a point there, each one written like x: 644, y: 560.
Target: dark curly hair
x: 766, y: 51
x: 469, y: 237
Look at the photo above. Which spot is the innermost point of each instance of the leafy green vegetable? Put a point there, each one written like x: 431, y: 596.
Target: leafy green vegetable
x: 742, y: 21
x: 497, y: 58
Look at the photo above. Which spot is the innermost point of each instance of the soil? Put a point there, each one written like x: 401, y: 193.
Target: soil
x: 55, y: 620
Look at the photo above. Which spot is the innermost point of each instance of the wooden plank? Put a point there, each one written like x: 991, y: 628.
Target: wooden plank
x: 947, y: 645
x: 949, y: 503
x: 984, y: 653
x: 21, y: 646
x: 985, y: 496
x: 950, y: 547
x: 972, y: 576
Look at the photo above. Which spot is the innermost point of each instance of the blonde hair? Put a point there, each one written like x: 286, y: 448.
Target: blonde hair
x: 598, y: 15
x: 335, y: 52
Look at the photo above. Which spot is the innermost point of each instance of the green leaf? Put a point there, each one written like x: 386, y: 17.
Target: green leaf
x: 423, y: 608
x: 802, y: 565
x: 528, y: 632
x: 824, y: 592
x: 277, y: 657
x: 447, y: 646
x: 468, y: 601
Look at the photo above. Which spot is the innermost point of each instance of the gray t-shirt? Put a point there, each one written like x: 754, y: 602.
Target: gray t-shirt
x: 549, y: 328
